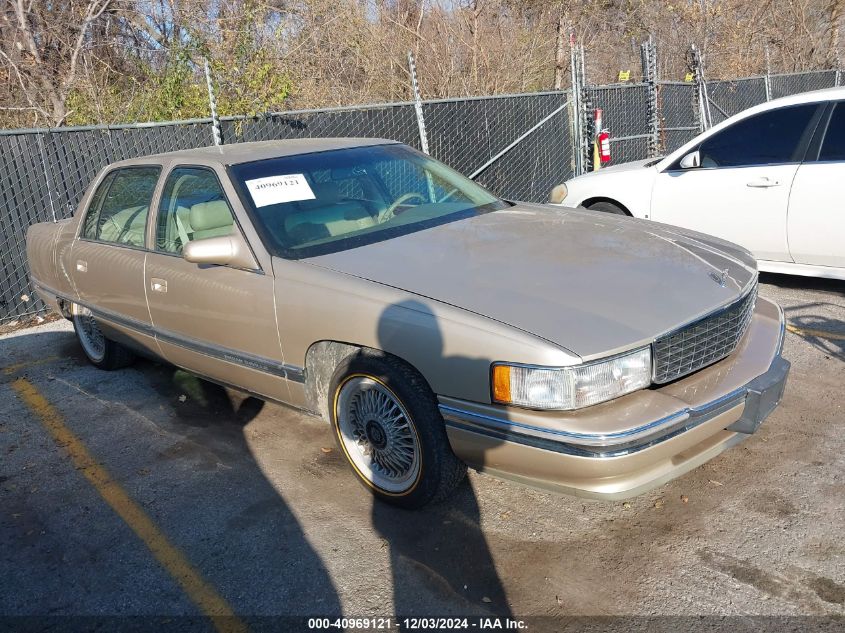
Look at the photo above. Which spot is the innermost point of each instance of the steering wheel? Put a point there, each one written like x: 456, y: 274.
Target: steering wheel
x: 390, y: 212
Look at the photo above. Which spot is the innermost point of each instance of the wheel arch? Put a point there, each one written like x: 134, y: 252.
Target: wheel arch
x: 594, y: 199
x: 322, y: 359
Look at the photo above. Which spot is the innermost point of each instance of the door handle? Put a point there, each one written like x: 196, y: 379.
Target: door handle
x: 763, y: 182
x: 81, y: 266
x: 158, y: 285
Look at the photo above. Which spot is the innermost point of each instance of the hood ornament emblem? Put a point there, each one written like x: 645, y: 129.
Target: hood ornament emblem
x: 720, y: 278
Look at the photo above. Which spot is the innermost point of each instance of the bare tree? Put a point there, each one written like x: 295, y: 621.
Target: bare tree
x: 41, y: 44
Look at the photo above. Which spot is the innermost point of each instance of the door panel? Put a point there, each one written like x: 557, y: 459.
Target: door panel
x: 110, y: 277
x: 816, y: 207
x: 217, y: 321
x: 817, y: 215
x: 107, y: 260
x: 746, y: 205
x: 741, y: 191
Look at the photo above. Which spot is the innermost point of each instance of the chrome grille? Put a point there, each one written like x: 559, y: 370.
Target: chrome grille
x: 703, y: 342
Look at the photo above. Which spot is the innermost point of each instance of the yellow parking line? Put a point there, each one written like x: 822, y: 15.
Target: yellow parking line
x: 168, y: 555
x: 809, y: 332
x: 12, y: 369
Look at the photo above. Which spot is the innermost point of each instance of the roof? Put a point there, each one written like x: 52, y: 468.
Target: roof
x: 825, y: 94
x: 246, y: 152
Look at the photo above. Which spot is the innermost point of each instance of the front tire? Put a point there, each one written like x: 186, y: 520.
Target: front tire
x: 607, y: 207
x: 100, y: 351
x: 388, y: 426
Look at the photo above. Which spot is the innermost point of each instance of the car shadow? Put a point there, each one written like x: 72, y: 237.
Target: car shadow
x: 804, y: 283
x: 270, y: 562
x: 810, y: 320
x: 179, y: 445
x: 439, y: 555
x: 824, y: 333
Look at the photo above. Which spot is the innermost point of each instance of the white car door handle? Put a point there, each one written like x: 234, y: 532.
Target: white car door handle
x: 763, y: 182
x: 158, y: 285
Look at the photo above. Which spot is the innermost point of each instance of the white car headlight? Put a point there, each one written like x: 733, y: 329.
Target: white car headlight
x: 558, y: 194
x: 571, y: 387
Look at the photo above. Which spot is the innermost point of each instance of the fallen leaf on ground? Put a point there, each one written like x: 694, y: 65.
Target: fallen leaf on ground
x: 325, y: 449
x: 182, y: 398
x: 684, y: 499
x: 627, y: 505
x: 715, y: 483
x: 659, y: 503
x: 486, y: 599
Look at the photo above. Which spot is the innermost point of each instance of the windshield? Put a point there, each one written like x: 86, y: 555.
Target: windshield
x: 313, y: 204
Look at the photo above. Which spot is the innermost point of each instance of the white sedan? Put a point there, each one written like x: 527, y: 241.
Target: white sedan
x: 770, y: 178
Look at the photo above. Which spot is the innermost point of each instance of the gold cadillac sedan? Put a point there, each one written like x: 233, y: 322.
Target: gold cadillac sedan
x: 432, y: 324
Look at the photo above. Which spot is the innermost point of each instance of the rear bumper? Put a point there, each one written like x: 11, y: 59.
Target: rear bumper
x: 648, y: 451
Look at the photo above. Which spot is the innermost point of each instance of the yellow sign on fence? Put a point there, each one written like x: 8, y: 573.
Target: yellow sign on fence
x: 689, y: 77
x: 624, y: 75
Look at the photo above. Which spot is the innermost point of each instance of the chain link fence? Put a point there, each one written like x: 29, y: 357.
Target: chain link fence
x: 44, y: 173
x: 625, y: 113
x: 518, y: 146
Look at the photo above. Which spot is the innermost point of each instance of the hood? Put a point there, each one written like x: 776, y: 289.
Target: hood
x: 592, y: 283
x: 633, y: 165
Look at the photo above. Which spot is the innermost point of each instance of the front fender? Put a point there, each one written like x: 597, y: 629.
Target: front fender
x: 451, y: 347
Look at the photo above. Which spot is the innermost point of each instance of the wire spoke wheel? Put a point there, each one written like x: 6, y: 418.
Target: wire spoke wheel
x: 378, y: 435
x: 90, y: 336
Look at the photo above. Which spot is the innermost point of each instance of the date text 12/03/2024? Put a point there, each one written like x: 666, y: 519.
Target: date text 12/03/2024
x: 417, y: 624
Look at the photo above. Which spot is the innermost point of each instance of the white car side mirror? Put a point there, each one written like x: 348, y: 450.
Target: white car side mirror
x: 691, y: 160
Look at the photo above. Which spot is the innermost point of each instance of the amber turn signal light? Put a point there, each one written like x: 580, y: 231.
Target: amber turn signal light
x: 502, y: 384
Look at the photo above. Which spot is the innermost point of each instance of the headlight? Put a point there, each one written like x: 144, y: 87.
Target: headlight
x: 558, y: 194
x: 571, y: 387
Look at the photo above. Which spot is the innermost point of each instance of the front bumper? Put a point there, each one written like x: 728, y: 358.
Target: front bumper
x: 712, y: 410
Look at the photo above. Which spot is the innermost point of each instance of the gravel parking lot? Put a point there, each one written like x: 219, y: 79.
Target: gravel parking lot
x: 150, y: 492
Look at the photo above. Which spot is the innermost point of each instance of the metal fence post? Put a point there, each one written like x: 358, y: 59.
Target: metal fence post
x: 648, y: 53
x: 418, y: 109
x: 212, y: 104
x: 45, y: 166
x: 576, y: 71
x: 700, y: 89
x: 768, y: 76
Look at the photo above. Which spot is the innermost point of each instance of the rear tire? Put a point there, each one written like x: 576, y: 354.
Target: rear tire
x: 388, y: 426
x: 607, y: 207
x: 100, y: 351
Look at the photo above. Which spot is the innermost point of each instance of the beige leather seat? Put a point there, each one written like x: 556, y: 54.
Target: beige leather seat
x: 327, y: 215
x: 210, y: 219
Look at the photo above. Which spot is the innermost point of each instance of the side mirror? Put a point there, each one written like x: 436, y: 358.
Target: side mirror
x: 226, y: 250
x: 691, y: 160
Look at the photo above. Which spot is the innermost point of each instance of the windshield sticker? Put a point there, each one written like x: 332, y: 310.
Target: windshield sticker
x: 279, y: 189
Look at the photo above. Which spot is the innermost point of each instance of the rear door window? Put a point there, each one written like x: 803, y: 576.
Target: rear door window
x: 771, y: 137
x: 120, y: 206
x: 833, y: 146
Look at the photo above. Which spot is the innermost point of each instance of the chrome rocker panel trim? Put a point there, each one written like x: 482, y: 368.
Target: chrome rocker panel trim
x: 250, y: 361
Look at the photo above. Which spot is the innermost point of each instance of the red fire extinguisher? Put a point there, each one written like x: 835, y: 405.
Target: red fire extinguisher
x: 601, y: 146
x: 603, y: 141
